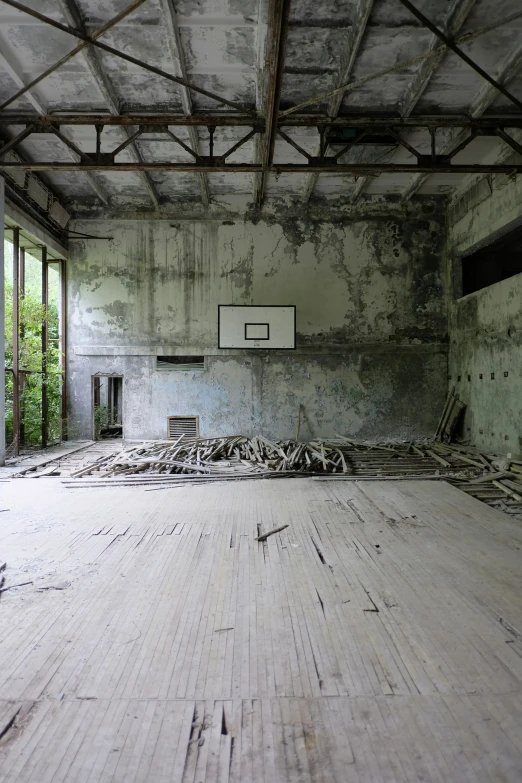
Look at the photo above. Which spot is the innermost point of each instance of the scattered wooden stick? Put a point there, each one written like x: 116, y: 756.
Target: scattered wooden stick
x: 271, y: 533
x: 11, y: 587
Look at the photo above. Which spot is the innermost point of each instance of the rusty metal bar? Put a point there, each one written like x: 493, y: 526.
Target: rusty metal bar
x: 111, y: 50
x: 403, y: 143
x: 462, y: 145
x: 463, y: 56
x: 185, y: 146
x: 282, y: 168
x: 63, y: 346
x: 16, y: 345
x: 236, y: 146
x: 68, y: 143
x: 22, y: 380
x: 351, y: 144
x: 276, y: 65
x: 509, y: 140
x: 400, y: 66
x: 110, y: 395
x: 96, y: 386
x: 45, y: 345
x: 17, y: 140
x: 72, y: 54
x: 294, y: 144
x: 126, y: 143
x: 44, y: 123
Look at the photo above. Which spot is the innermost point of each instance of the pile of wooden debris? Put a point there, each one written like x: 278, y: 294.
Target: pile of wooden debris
x: 234, y: 456
x: 488, y: 477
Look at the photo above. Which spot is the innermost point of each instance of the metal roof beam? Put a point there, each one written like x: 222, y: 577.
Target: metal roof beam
x: 180, y: 68
x: 484, y: 98
x: 463, y: 56
x: 25, y: 88
x: 74, y: 17
x: 274, y: 66
x: 155, y: 123
x: 117, y: 53
x: 400, y: 66
x: 456, y: 17
x: 442, y: 164
x: 13, y: 70
x: 349, y: 56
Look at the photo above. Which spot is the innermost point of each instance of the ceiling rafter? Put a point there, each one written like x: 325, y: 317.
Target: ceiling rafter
x: 73, y: 15
x: 383, y: 121
x: 262, y: 37
x: 180, y: 68
x: 483, y: 100
x: 424, y: 165
x: 349, y: 56
x: 456, y: 17
x: 13, y: 70
x: 450, y: 44
x: 274, y: 66
x: 72, y: 53
x: 400, y: 66
x: 122, y: 55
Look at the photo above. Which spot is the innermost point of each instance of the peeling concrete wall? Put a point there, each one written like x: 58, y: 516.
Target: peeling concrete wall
x: 485, y: 363
x: 371, y: 358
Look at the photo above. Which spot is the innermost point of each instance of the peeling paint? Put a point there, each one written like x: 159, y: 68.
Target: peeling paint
x: 369, y: 342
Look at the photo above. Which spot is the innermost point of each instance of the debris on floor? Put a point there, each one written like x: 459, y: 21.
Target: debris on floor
x: 488, y: 477
x: 237, y: 457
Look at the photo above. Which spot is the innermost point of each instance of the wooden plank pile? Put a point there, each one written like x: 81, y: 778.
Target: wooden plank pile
x: 498, y: 480
x: 488, y: 477
x: 197, y: 460
x: 235, y: 456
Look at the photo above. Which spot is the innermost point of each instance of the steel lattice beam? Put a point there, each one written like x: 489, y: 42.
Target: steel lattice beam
x: 275, y: 67
x: 484, y: 99
x: 44, y: 123
x: 94, y: 64
x: 423, y: 167
x: 457, y: 15
x: 352, y: 45
x: 117, y: 53
x: 180, y: 68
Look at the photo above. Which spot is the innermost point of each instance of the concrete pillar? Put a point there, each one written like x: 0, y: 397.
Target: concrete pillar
x: 2, y: 335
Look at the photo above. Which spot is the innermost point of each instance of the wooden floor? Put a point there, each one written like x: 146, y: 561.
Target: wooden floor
x: 375, y: 639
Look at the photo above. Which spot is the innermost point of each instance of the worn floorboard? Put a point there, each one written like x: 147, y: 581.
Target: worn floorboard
x: 376, y: 638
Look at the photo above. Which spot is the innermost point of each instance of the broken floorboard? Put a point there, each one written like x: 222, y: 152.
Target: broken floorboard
x: 377, y: 638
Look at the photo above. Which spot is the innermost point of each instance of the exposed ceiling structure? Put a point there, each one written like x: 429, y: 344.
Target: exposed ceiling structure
x: 162, y: 102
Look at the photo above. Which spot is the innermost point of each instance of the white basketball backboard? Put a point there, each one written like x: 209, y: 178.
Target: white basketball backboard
x: 266, y: 327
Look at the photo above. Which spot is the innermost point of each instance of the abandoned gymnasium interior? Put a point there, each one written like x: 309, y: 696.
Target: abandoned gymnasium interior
x: 261, y: 397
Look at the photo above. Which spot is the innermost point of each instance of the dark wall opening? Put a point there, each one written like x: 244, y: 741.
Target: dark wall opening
x: 491, y: 264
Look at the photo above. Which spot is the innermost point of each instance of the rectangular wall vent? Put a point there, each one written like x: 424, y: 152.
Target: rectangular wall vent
x: 182, y: 425
x: 180, y: 363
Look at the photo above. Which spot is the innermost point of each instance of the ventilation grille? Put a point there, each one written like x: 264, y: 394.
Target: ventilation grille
x: 182, y: 425
x: 180, y: 363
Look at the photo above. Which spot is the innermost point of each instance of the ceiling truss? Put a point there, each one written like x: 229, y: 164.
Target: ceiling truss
x: 106, y: 160
x: 268, y: 122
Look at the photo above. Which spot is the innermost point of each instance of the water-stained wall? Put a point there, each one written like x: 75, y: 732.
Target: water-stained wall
x: 371, y: 324
x: 486, y: 326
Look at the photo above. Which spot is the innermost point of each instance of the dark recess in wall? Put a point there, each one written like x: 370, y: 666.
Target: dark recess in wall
x: 491, y: 264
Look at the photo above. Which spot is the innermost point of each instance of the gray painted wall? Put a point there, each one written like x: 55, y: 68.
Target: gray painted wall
x: 371, y: 322
x: 486, y: 326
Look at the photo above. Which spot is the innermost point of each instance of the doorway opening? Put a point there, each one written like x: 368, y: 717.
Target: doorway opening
x: 107, y: 406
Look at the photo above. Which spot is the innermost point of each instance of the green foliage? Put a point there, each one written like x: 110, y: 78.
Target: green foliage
x: 101, y: 419
x: 32, y: 315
